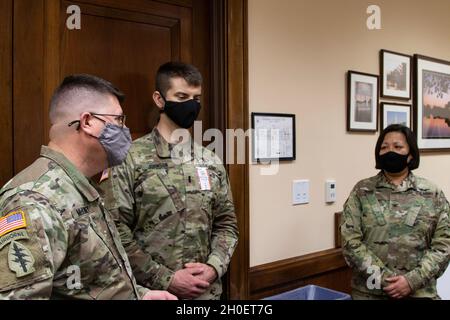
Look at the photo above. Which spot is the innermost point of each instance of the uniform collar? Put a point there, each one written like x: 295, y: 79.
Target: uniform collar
x: 410, y: 182
x: 83, y: 184
x: 182, y: 152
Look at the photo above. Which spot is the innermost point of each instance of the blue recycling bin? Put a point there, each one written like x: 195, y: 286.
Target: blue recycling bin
x: 311, y: 292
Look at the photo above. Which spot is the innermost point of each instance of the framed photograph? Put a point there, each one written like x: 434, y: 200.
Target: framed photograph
x: 394, y: 113
x: 395, y: 75
x: 273, y: 137
x: 362, y: 101
x: 432, y: 103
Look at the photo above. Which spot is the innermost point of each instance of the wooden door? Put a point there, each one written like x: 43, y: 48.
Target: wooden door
x: 121, y: 41
x: 124, y: 41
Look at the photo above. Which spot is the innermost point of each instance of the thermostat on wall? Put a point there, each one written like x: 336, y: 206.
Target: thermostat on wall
x: 330, y: 191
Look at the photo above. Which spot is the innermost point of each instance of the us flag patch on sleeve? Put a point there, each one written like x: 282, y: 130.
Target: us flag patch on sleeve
x: 13, y: 221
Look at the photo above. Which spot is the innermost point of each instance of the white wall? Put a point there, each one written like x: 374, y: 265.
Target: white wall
x: 299, y: 52
x: 443, y: 285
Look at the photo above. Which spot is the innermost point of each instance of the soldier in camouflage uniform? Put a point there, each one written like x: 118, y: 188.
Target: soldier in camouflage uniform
x: 395, y: 227
x: 57, y: 241
x: 173, y: 201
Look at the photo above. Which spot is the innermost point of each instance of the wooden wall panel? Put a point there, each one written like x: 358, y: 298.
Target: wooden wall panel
x: 326, y: 269
x: 126, y: 48
x: 122, y: 41
x: 201, y: 58
x: 6, y: 111
x: 236, y: 79
x: 28, y: 105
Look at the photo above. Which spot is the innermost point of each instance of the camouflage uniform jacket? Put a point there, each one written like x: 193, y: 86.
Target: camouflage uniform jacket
x: 61, y: 231
x: 172, y: 209
x: 392, y: 230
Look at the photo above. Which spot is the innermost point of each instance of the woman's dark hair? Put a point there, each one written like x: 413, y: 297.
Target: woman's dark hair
x: 410, y: 139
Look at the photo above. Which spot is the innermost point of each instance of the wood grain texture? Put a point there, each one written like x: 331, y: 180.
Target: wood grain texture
x: 325, y: 268
x: 237, y: 118
x: 6, y: 87
x: 28, y: 103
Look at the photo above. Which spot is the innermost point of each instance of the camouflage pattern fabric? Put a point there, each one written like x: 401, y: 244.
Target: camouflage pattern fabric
x: 392, y: 230
x: 172, y: 207
x: 69, y: 247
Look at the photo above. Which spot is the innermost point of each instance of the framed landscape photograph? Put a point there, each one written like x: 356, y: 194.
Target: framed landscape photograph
x: 432, y: 101
x: 395, y: 75
x: 362, y: 101
x: 394, y: 113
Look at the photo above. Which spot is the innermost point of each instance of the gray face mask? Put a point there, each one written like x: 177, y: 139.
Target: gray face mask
x: 116, y: 141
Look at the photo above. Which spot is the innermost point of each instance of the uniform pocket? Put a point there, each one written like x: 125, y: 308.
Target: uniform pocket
x: 154, y: 201
x: 92, y: 252
x: 411, y: 217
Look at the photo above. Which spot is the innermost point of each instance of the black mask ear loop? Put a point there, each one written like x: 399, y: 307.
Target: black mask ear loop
x: 79, y: 125
x: 73, y: 122
x: 162, y: 96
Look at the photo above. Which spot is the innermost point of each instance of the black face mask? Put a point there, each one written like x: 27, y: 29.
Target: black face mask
x: 182, y: 113
x: 393, y: 162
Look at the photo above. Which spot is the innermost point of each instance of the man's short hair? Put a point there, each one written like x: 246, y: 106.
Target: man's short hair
x: 172, y: 70
x: 410, y: 139
x: 77, y: 88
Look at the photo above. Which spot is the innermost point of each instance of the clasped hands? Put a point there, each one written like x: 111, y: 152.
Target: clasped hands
x: 192, y: 281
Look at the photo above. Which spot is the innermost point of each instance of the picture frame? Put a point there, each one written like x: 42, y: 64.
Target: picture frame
x: 395, y: 73
x: 273, y: 137
x: 395, y: 113
x: 362, y: 101
x: 432, y: 103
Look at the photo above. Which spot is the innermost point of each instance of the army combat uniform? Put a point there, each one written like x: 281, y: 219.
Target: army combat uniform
x: 172, y: 210
x: 392, y: 230
x: 56, y: 239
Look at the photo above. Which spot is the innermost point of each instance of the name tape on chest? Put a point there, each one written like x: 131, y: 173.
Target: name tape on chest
x: 203, y: 177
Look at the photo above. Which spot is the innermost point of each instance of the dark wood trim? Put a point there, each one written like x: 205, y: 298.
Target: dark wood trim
x: 6, y: 82
x: 337, y: 231
x: 52, y: 61
x: 28, y: 83
x: 217, y: 116
x: 317, y: 268
x: 162, y: 8
x: 237, y: 116
x: 184, y: 3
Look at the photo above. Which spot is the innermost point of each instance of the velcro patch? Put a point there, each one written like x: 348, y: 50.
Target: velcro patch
x: 20, y: 259
x: 14, y: 235
x: 13, y: 221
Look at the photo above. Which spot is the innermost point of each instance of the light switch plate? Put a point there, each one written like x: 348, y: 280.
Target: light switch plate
x: 300, y: 192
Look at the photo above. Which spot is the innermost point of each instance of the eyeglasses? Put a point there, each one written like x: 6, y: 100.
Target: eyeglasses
x: 120, y: 118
